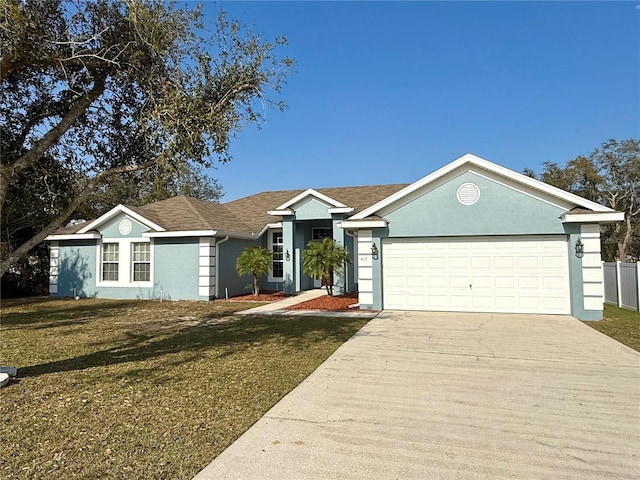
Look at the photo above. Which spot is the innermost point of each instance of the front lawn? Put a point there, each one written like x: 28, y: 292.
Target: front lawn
x: 620, y: 324
x: 144, y: 389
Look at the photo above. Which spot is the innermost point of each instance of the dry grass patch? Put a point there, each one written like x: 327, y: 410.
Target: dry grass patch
x: 144, y: 389
x: 620, y: 324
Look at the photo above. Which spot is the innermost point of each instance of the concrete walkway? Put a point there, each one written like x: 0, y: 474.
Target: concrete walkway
x: 280, y: 307
x: 454, y: 396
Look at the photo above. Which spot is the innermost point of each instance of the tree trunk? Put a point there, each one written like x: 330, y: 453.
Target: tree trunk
x: 626, y: 238
x: 8, y: 172
x: 256, y: 286
x: 57, y: 222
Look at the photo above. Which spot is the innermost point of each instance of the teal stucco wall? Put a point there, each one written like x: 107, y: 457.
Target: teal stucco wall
x: 500, y: 210
x: 228, y: 253
x: 76, y: 269
x: 176, y: 268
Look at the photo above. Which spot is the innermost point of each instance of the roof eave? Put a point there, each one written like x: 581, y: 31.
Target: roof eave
x: 73, y: 236
x: 358, y: 224
x: 596, y: 217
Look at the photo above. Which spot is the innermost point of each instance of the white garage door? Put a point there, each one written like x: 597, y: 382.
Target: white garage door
x: 477, y: 274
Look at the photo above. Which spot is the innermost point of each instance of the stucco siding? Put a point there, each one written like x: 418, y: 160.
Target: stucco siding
x: 76, y: 269
x: 110, y: 229
x: 229, y: 281
x: 311, y: 209
x: 176, y: 263
x: 499, y: 210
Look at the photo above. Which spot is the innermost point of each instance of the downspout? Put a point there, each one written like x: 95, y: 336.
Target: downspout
x: 218, y: 242
x: 355, y: 256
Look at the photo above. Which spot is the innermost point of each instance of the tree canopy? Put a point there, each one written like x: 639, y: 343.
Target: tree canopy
x: 255, y: 261
x: 322, y: 259
x: 101, y: 94
x: 610, y: 175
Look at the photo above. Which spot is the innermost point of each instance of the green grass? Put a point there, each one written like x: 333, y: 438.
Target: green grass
x: 144, y: 389
x: 621, y: 325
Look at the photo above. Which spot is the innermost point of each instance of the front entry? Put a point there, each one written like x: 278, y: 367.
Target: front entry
x: 317, y: 234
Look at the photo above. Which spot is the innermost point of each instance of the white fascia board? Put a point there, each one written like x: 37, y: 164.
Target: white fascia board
x: 74, y: 236
x: 181, y: 233
x: 198, y: 233
x: 600, y: 217
x: 362, y: 224
x: 115, y: 211
x: 341, y: 210
x: 313, y: 193
x: 486, y: 165
x: 269, y: 226
x: 281, y: 213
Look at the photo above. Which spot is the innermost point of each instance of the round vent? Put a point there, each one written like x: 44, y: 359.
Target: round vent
x: 468, y: 193
x: 125, y: 226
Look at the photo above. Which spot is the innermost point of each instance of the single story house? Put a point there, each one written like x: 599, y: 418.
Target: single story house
x: 471, y: 236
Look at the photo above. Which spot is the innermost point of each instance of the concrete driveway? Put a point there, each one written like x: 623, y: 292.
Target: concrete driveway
x: 454, y: 396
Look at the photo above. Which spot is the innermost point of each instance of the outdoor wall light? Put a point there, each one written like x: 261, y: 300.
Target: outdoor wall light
x: 287, y: 256
x: 579, y: 248
x: 374, y: 251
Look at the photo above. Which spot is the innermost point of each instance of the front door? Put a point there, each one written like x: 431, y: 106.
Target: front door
x: 317, y: 234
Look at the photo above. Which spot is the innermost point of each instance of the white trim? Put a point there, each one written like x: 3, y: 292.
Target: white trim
x: 270, y: 276
x: 341, y: 210
x: 605, y: 217
x: 492, y: 167
x: 362, y: 224
x: 180, y: 233
x: 115, y: 211
x: 198, y: 233
x: 74, y: 236
x: 217, y: 267
x: 313, y: 193
x: 125, y: 266
x: 281, y: 213
x: 268, y: 226
x: 207, y: 267
x: 54, y: 267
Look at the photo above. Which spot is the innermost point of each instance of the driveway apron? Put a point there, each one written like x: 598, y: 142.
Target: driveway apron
x: 454, y: 396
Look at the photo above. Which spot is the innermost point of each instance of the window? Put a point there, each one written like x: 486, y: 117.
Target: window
x: 276, y: 245
x: 141, y: 261
x: 318, y: 233
x: 110, y: 265
x: 124, y: 262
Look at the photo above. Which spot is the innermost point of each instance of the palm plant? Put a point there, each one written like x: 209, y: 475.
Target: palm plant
x: 255, y: 261
x: 324, y: 258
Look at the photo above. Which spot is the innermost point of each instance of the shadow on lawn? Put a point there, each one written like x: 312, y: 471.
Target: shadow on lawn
x: 236, y: 336
x: 68, y: 312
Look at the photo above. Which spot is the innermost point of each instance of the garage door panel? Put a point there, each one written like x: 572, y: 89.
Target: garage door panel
x: 504, y: 262
x: 485, y: 262
x: 456, y: 262
x: 482, y: 281
x: 502, y: 282
x: 436, y: 262
x: 508, y: 274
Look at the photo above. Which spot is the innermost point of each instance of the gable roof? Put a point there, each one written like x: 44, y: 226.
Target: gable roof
x: 470, y: 160
x: 245, y: 216
x: 253, y: 209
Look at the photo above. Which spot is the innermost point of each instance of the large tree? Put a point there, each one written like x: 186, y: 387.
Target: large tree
x: 609, y: 175
x: 94, y: 90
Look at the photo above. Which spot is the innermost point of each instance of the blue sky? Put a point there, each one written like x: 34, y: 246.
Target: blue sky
x: 388, y: 92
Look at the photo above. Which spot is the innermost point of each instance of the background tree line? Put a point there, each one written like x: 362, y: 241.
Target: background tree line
x: 116, y: 101
x: 610, y: 175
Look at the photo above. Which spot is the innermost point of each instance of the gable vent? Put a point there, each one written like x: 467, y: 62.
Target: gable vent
x: 468, y: 193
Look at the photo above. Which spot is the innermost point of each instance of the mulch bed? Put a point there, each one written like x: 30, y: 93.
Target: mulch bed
x: 263, y: 296
x: 336, y: 303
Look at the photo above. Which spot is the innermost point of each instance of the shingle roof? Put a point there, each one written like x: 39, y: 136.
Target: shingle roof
x: 246, y: 215
x: 183, y: 213
x: 253, y: 209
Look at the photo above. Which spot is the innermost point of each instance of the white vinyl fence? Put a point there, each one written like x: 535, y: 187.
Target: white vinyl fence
x: 622, y: 284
